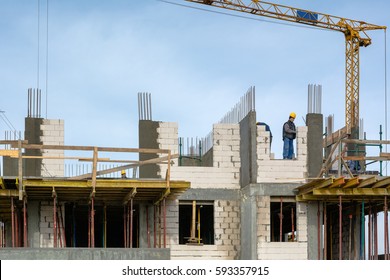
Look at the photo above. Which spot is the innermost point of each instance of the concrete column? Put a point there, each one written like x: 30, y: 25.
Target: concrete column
x: 248, y: 225
x: 33, y: 224
x: 313, y: 230
x: 248, y: 148
x: 147, y: 133
x: 315, y: 125
x: 143, y: 232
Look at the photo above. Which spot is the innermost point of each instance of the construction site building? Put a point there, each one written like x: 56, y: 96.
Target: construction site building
x: 233, y: 201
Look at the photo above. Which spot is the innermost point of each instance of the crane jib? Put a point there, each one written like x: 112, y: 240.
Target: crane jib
x: 303, y: 15
x: 354, y: 31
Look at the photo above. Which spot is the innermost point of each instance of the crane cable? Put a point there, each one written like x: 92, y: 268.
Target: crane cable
x: 47, y: 50
x: 385, y: 66
x: 39, y: 12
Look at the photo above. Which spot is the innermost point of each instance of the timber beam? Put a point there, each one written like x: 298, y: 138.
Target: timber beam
x: 129, y: 196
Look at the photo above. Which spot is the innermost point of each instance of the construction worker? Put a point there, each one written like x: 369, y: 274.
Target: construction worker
x: 123, y: 174
x: 289, y: 134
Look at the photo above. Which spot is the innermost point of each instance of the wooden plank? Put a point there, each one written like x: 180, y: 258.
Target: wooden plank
x: 367, y: 182
x: 352, y: 192
x: 333, y: 192
x: 109, y: 160
x: 2, y: 185
x: 56, y: 183
x: 109, y: 183
x: 382, y: 183
x: 308, y: 186
x: 371, y: 192
x: 62, y: 157
x: 337, y: 182
x: 360, y: 141
x: 123, y: 167
x: 9, y: 153
x: 324, y: 184
x: 129, y: 196
x: 20, y: 170
x: 325, y: 165
x: 94, y: 169
x: 335, y: 137
x: 353, y: 182
x: 133, y: 150
x: 89, y: 148
x: 12, y: 142
x: 9, y: 193
x: 366, y: 158
x: 308, y: 197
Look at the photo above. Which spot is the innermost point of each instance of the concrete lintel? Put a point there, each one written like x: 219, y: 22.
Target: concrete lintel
x: 271, y: 189
x: 210, y: 194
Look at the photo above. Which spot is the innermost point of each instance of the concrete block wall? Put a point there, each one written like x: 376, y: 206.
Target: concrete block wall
x: 267, y: 250
x: 172, y: 222
x: 46, y: 224
x: 207, y: 177
x: 227, y: 227
x: 225, y: 173
x: 167, y: 138
x: 302, y: 222
x: 280, y: 170
x: 52, y: 133
x: 226, y: 146
x: 263, y: 219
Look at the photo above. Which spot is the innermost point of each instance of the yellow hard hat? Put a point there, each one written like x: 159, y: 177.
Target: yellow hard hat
x: 293, y: 115
x: 123, y: 172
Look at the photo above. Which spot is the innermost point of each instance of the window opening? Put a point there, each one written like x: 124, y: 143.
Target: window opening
x: 283, y: 221
x: 202, y: 215
x: 109, y: 227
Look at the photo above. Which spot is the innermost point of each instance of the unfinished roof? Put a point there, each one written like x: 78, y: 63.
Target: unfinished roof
x: 356, y: 189
x: 112, y: 191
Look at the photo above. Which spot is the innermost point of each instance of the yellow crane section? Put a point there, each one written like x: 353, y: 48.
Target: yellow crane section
x: 354, y: 31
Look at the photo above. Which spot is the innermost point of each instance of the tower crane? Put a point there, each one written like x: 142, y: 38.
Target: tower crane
x: 354, y: 32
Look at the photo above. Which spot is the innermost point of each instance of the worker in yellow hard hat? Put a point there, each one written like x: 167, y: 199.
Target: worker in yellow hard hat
x: 289, y: 134
x: 123, y: 173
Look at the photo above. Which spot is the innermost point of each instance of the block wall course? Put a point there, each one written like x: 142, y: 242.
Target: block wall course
x: 52, y: 134
x: 46, y: 224
x: 207, y: 177
x: 282, y: 251
x: 226, y: 228
x: 271, y: 170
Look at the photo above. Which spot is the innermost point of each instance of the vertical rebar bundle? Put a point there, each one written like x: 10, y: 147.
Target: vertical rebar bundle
x: 34, y: 100
x: 242, y: 108
x: 144, y: 106
x: 314, y: 103
x: 246, y: 105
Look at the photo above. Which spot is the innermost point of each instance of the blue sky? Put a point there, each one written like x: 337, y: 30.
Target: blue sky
x: 196, y: 65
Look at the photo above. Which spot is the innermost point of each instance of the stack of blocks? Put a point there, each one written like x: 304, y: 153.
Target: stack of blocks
x: 52, y: 134
x: 46, y: 225
x: 225, y: 173
x: 227, y: 226
x: 226, y: 146
x: 167, y: 139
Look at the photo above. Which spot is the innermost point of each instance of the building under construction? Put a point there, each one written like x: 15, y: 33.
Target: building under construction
x: 220, y: 197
